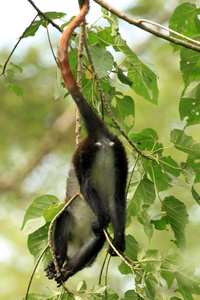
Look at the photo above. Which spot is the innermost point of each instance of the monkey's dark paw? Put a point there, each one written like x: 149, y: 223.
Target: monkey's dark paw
x: 119, y: 244
x: 50, y: 271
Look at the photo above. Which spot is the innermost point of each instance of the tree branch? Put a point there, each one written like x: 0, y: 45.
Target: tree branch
x: 139, y: 23
x: 40, y: 13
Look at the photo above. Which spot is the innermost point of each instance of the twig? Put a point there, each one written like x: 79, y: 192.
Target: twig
x: 79, y: 81
x: 139, y: 23
x: 54, y: 56
x: 117, y: 252
x: 33, y: 272
x: 40, y: 13
x: 103, y: 265
x: 11, y: 53
x: 106, y: 278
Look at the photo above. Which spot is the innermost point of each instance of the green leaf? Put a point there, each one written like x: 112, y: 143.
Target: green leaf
x: 102, y: 36
x: 195, y: 165
x: 144, y: 217
x: 143, y: 193
x: 102, y: 60
x: 130, y: 295
x: 31, y: 31
x: 35, y: 210
x: 123, y: 78
x: 146, y: 139
x: 33, y: 225
x: 157, y: 175
x: 195, y: 195
x: 149, y: 260
x: 118, y: 85
x: 131, y: 247
x: 169, y: 165
x: 185, y: 20
x: 124, y: 111
x: 112, y: 19
x: 190, y: 65
x: 187, y: 281
x: 99, y: 289
x: 177, y: 217
x: 159, y: 222
x: 131, y: 251
x: 172, y: 258
x: 189, y: 107
x: 144, y: 80
x: 16, y: 89
x: 146, y: 191
x: 185, y: 143
x: 151, y: 285
x: 188, y: 172
x: 167, y: 276
x: 53, y: 15
x: 82, y: 287
x: 13, y: 88
x: 37, y: 241
x: 174, y: 181
x: 17, y: 67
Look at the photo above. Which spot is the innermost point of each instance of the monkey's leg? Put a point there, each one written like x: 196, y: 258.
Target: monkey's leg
x: 118, y: 208
x: 119, y: 222
x: 93, y: 199
x: 84, y: 257
x: 61, y: 236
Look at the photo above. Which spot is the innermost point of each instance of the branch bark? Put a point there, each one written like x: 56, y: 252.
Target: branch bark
x: 140, y: 23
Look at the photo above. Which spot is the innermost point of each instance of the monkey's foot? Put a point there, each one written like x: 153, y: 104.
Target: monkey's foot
x: 119, y: 244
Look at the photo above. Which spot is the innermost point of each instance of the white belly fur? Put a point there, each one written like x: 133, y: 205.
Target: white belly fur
x: 103, y: 175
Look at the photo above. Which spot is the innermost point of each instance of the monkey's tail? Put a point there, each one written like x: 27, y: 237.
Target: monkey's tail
x: 63, y: 58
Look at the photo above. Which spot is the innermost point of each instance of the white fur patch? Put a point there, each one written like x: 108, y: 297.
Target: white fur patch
x: 103, y: 175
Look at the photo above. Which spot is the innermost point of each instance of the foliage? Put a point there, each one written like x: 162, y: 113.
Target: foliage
x: 151, y: 175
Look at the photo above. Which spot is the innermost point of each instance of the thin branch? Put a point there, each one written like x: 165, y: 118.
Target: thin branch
x: 103, y: 265
x: 79, y: 81
x: 33, y: 272
x: 130, y: 265
x: 139, y: 23
x: 169, y: 30
x: 40, y: 13
x: 54, y: 56
x: 11, y: 53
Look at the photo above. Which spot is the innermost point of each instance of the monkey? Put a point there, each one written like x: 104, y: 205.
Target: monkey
x: 99, y: 169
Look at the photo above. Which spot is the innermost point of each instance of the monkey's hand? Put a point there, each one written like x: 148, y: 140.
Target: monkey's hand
x: 118, y: 243
x: 65, y: 274
x: 50, y: 270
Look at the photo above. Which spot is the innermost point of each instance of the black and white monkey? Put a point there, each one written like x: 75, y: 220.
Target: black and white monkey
x: 100, y: 171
